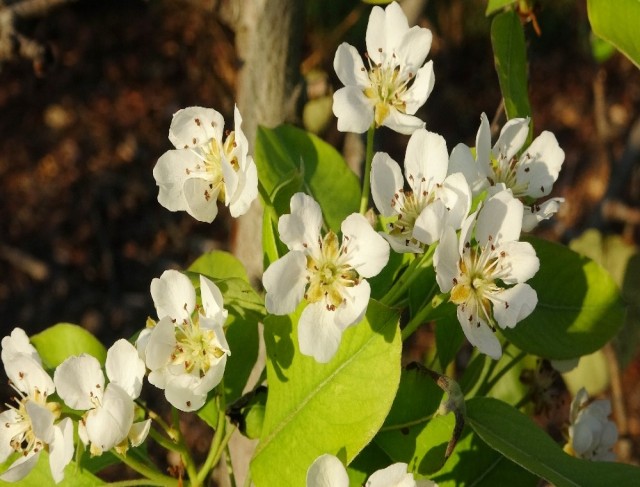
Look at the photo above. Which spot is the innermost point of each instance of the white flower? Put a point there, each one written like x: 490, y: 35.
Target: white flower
x: 591, y: 433
x: 203, y: 169
x: 434, y: 201
x: 486, y: 269
x: 186, y: 350
x: 30, y: 426
x: 330, y: 276
x: 328, y: 471
x: 108, y: 421
x: 529, y: 176
x: 396, y: 83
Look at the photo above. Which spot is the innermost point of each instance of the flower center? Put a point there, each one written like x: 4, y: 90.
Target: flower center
x: 388, y: 86
x: 196, y: 348
x: 409, y: 205
x: 506, y: 172
x: 329, y: 273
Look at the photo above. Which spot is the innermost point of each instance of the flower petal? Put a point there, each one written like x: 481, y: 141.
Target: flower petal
x: 180, y: 392
x: 138, y: 432
x: 41, y: 419
x: 170, y: 172
x: 246, y: 191
x: 445, y: 259
x: 349, y: 66
x: 194, y: 126
x: 61, y: 449
x: 201, y: 199
x: 462, y: 161
x: 318, y: 334
x: 520, y: 262
x: 513, y: 305
x: 395, y: 475
x: 420, y: 89
x: 402, y: 123
x: 426, y: 158
x: 535, y: 214
x: 431, y: 222
x: 511, y: 139
x: 285, y: 281
x: 478, y: 332
x: 500, y: 219
x: 367, y: 252
x: 173, y: 295
x: 212, y: 301
x: 28, y: 375
x: 327, y: 471
x: 78, y: 380
x: 160, y: 345
x: 413, y: 48
x: 483, y: 146
x: 353, y: 110
x: 17, y: 343
x: 109, y: 424
x: 125, y: 368
x: 540, y: 165
x: 21, y: 467
x: 354, y: 306
x: 300, y: 230
x: 213, y: 376
x: 386, y: 182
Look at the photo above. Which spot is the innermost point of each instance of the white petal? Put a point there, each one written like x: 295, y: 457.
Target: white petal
x: 300, y: 230
x: 170, y: 172
x: 514, y: 304
x: 414, y: 47
x: 180, y: 392
x: 445, y: 259
x: 395, y: 28
x: 41, y: 421
x: 212, y: 378
x: 420, y: 89
x: 402, y: 123
x: 353, y: 110
x: 478, y: 333
x: 138, y: 432
x: 431, y: 222
x: 201, y: 199
x: 456, y: 195
x: 173, y: 295
x: 400, y: 245
x: 247, y: 190
x: 318, y: 334
x: 427, y: 158
x: 327, y: 471
x: 230, y: 177
x: 20, y: 468
x: 125, y: 368
x: 109, y: 424
x: 28, y: 375
x: 161, y: 344
x: 582, y: 437
x: 349, y: 67
x: 194, y: 126
x: 79, y: 379
x: 212, y: 301
x: 395, y: 475
x: 512, y: 138
x: 520, y: 260
x: 367, y: 251
x: 386, y: 182
x: 462, y: 161
x: 534, y: 215
x: 9, y: 419
x: 540, y: 165
x: 61, y: 449
x: 352, y: 310
x: 220, y: 340
x: 17, y: 343
x: 285, y: 281
x: 500, y: 219
x: 375, y: 35
x: 483, y: 145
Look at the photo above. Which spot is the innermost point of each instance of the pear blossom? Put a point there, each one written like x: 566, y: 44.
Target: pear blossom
x: 591, y: 433
x: 328, y: 471
x: 434, y: 201
x: 108, y: 420
x: 31, y: 425
x: 486, y: 269
x: 330, y: 276
x: 395, y: 84
x: 186, y: 350
x: 530, y: 176
x: 204, y: 168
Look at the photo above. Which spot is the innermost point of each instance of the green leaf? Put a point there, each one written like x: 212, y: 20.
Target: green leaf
x: 58, y: 342
x: 449, y: 336
x: 617, y: 22
x: 315, y: 408
x: 219, y: 265
x: 510, y: 58
x: 40, y: 475
x: 579, y: 306
x: 310, y: 165
x: 495, y: 5
x: 518, y: 438
x: 474, y: 463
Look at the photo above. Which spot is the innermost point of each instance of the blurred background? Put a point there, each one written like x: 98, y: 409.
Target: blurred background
x: 81, y: 127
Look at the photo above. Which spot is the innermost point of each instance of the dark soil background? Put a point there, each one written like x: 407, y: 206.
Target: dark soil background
x: 81, y: 232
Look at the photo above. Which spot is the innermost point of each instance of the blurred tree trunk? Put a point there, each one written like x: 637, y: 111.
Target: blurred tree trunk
x: 268, y: 43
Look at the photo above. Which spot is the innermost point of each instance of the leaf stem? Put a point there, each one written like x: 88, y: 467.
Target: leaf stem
x: 366, y: 183
x: 408, y: 277
x: 185, y: 454
x: 153, y: 477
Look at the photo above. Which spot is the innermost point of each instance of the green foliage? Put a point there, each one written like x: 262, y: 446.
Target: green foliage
x: 61, y: 341
x: 305, y: 163
x: 495, y: 5
x: 617, y: 22
x: 579, y: 307
x: 40, y: 475
x: 510, y: 58
x: 316, y: 408
x: 518, y: 438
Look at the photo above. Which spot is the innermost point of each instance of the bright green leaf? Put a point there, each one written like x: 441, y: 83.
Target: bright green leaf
x: 315, y: 408
x: 617, y: 22
x: 495, y: 5
x: 289, y: 154
x: 219, y: 265
x: 40, y: 476
x: 510, y: 58
x: 579, y: 307
x: 58, y: 342
x: 518, y: 438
